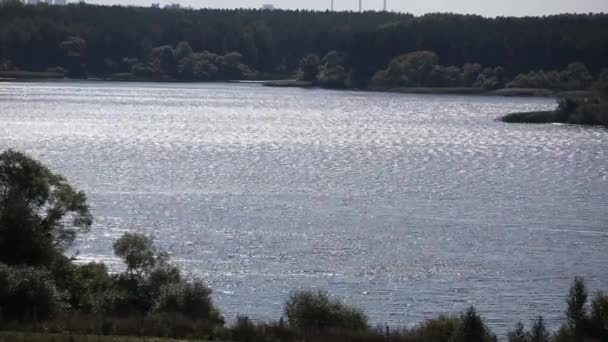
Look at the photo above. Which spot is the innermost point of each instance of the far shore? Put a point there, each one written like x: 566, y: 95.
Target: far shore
x: 31, y: 76
x: 527, y: 92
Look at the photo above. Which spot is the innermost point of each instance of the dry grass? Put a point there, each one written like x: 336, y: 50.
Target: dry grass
x: 42, y: 337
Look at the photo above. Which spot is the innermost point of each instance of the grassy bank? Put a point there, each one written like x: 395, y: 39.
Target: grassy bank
x: 438, y: 91
x: 523, y: 92
x: 9, y: 336
x: 31, y: 75
x: 432, y: 90
x: 289, y: 84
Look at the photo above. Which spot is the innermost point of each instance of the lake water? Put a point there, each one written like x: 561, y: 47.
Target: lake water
x: 405, y: 205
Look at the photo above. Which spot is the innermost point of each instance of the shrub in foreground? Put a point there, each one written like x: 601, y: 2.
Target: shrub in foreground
x: 191, y: 300
x: 27, y: 294
x: 317, y: 311
x: 438, y: 329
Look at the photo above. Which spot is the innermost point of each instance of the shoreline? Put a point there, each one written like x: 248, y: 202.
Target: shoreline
x: 532, y: 117
x: 504, y: 92
x: 548, y: 117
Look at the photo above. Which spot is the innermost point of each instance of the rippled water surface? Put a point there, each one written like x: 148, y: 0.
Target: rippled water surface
x: 406, y: 205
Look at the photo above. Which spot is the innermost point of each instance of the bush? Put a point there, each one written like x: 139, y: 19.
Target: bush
x: 89, y: 288
x: 441, y: 328
x: 576, y: 76
x: 316, y: 311
x: 190, y: 300
x: 28, y: 294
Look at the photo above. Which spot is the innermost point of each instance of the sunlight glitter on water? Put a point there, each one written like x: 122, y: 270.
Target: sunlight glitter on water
x: 406, y: 205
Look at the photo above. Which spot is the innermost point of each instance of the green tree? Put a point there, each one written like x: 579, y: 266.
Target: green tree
x: 470, y: 73
x: 182, y: 50
x: 576, y: 76
x: 148, y: 271
x: 576, y: 312
x: 231, y: 67
x: 40, y: 213
x: 519, y: 334
x: 408, y: 70
x: 472, y: 329
x: 491, y: 78
x: 75, y: 49
x: 309, y: 68
x: 539, y: 331
x: 163, y: 58
x: 442, y: 76
x: 139, y: 254
x: 602, y: 83
x: 599, y: 316
x: 89, y: 283
x: 186, y: 68
x: 331, y: 73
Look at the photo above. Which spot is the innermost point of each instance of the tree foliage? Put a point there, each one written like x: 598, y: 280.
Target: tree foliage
x: 576, y: 312
x: 331, y: 72
x: 40, y: 213
x: 317, y: 311
x: 472, y: 329
x: 575, y: 76
x: 28, y: 294
x: 309, y: 68
x: 95, y: 40
x: 539, y: 331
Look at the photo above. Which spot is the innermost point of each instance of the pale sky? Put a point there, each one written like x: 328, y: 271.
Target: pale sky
x: 484, y: 7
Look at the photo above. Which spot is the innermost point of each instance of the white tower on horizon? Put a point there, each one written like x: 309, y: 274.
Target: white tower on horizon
x: 384, y: 7
x: 360, y: 5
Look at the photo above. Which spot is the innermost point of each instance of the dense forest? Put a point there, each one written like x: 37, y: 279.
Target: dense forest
x: 199, y: 45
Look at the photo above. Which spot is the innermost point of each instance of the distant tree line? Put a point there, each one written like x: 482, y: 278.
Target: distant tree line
x: 351, y: 48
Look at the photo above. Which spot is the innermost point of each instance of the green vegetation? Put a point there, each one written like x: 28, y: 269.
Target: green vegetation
x: 422, y: 69
x: 582, y: 108
x: 40, y: 215
x: 581, y: 326
x: 371, y: 50
x: 575, y: 77
x: 316, y: 311
x: 44, y: 296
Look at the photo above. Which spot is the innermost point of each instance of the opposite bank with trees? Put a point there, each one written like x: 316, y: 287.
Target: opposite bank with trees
x: 201, y: 45
x: 434, y: 53
x: 43, y: 290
